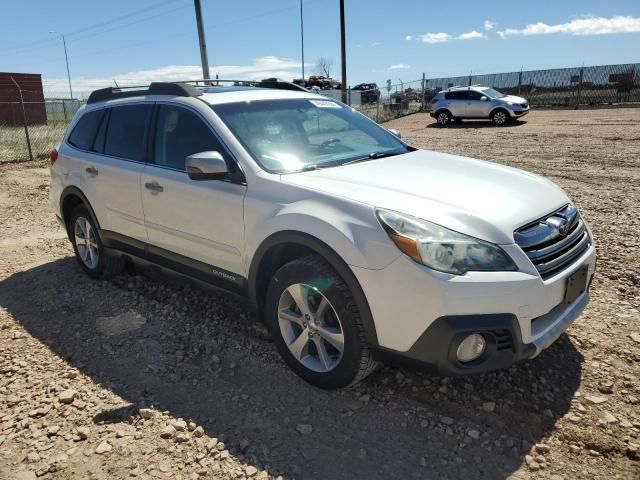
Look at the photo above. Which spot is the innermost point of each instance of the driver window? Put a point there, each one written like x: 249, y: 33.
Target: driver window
x: 180, y: 133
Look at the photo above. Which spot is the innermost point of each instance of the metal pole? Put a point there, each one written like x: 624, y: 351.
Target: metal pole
x: 203, y: 43
x: 66, y: 59
x: 424, y: 103
x: 302, y: 42
x: 24, y: 119
x: 343, y: 51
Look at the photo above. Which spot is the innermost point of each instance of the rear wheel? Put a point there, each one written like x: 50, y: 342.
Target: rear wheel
x: 316, y: 324
x: 443, y: 118
x: 500, y: 117
x: 88, y: 247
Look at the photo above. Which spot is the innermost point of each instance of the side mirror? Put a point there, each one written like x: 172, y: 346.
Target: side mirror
x: 395, y: 132
x: 484, y: 99
x: 206, y: 166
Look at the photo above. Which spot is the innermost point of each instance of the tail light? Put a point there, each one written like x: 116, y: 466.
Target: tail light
x: 53, y: 156
x: 434, y: 100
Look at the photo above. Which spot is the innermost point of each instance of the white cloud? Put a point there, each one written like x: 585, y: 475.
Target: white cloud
x: 399, y: 66
x: 580, y: 26
x: 262, y: 67
x: 488, y: 25
x: 472, y: 35
x: 435, y: 37
x: 376, y: 44
x: 408, y: 38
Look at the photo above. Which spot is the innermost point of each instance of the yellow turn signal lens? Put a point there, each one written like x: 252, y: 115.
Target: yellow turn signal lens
x: 407, y: 245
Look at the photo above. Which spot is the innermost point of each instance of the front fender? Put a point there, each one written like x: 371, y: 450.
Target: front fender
x: 351, y: 230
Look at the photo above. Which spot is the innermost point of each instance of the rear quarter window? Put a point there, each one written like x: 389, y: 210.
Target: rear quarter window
x: 84, y: 133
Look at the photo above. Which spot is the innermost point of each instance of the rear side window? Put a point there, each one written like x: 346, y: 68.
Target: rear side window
x: 125, y: 136
x: 84, y: 133
x: 459, y: 95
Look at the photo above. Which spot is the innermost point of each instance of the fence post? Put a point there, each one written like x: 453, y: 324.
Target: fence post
x: 424, y: 104
x: 579, y: 97
x: 64, y: 111
x: 24, y: 120
x: 519, y: 81
x: 378, y: 109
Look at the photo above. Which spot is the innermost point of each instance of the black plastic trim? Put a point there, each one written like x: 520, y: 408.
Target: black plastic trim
x: 71, y: 190
x: 436, y: 348
x: 330, y: 256
x: 173, y: 261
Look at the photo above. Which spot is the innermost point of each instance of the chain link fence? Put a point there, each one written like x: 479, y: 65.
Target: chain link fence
x: 560, y: 87
x: 30, y: 129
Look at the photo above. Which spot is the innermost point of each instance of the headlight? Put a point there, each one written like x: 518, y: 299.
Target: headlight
x: 440, y: 248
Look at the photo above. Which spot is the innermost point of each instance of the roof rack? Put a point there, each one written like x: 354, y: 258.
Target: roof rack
x: 186, y: 88
x: 177, y: 89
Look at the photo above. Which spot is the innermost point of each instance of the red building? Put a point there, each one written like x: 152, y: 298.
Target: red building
x: 32, y: 95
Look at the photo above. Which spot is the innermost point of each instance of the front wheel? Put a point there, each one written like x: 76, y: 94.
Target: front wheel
x: 316, y: 324
x: 500, y: 118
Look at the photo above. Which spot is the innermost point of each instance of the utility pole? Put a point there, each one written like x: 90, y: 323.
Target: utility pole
x: 203, y: 43
x: 66, y: 59
x: 343, y: 49
x: 302, y: 42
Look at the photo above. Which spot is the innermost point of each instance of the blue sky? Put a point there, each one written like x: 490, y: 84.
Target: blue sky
x: 140, y: 40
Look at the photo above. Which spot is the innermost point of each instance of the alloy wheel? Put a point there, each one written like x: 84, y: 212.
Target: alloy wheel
x: 86, y: 243
x: 310, y: 327
x: 499, y: 118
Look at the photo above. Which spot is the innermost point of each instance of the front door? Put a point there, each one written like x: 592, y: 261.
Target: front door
x: 201, y: 222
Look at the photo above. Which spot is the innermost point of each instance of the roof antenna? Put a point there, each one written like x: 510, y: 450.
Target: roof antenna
x: 116, y: 83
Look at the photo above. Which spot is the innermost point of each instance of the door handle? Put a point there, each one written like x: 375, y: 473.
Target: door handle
x: 153, y: 186
x: 92, y: 171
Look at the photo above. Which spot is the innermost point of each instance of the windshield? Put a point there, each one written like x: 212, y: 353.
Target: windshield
x: 490, y: 92
x: 296, y: 134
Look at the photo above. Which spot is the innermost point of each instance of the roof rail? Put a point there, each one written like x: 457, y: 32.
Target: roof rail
x: 177, y: 89
x: 185, y: 88
x: 275, y: 83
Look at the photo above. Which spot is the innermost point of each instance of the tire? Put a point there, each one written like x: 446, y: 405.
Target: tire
x: 92, y: 256
x: 500, y: 117
x: 443, y: 118
x: 312, y: 279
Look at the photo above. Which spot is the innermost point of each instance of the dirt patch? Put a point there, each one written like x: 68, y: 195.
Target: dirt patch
x: 142, y: 377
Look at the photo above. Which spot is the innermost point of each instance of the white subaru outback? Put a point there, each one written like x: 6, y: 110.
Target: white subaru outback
x: 354, y: 247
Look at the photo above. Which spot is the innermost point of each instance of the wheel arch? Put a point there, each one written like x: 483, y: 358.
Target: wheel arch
x: 443, y: 109
x: 70, y: 198
x: 285, y: 246
x: 499, y: 108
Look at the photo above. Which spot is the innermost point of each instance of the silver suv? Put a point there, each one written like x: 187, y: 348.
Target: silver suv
x: 477, y: 102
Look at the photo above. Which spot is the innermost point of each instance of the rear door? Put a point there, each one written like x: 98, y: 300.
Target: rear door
x: 113, y: 163
x: 195, y: 219
x: 457, y: 102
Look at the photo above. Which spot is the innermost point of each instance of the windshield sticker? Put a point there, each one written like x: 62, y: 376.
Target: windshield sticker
x: 325, y: 104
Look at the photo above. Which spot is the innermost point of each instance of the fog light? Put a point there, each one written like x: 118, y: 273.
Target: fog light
x: 471, y: 348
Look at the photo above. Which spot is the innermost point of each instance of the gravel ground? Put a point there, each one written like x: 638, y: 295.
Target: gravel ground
x: 142, y: 377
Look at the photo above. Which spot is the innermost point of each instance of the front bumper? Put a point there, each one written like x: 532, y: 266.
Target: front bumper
x: 421, y: 316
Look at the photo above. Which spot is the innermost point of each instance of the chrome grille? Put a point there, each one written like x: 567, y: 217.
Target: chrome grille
x: 554, y: 241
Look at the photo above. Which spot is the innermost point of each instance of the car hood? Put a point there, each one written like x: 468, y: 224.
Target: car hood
x: 513, y: 98
x: 474, y: 197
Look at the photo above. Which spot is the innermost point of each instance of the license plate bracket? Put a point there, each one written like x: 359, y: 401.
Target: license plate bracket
x: 577, y: 284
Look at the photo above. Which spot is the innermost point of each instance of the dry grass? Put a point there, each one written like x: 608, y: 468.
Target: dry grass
x: 13, y: 144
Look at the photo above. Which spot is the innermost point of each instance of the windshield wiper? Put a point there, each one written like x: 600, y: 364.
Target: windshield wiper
x: 372, y: 156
